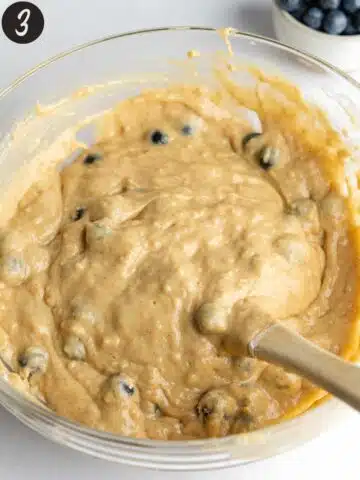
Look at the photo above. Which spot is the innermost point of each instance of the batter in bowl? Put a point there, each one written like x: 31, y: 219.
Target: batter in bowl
x: 182, y: 212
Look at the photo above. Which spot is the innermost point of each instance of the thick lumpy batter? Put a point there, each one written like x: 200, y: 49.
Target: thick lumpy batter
x: 180, y: 216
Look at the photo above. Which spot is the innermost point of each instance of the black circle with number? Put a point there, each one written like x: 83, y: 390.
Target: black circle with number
x: 23, y: 22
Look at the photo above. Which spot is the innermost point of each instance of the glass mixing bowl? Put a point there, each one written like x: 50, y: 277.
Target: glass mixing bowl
x: 154, y: 58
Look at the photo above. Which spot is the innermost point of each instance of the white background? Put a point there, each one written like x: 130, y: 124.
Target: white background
x: 24, y: 454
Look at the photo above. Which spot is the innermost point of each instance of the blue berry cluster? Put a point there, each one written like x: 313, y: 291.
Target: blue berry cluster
x: 336, y: 17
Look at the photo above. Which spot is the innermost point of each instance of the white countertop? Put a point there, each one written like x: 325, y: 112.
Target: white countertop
x: 23, y: 453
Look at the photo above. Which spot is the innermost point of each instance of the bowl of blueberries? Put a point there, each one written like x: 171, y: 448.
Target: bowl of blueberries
x: 328, y: 29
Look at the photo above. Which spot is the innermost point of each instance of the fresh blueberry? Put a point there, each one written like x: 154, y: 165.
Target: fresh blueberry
x: 23, y: 360
x: 350, y: 29
x: 217, y: 410
x: 158, y: 137
x: 187, y: 130
x: 34, y: 360
x: 356, y: 21
x: 299, y: 13
x: 91, y: 158
x: 129, y: 389
x: 249, y: 137
x: 329, y: 4
x: 122, y: 387
x: 268, y: 157
x: 313, y: 18
x: 79, y: 213
x: 350, y: 6
x: 125, y: 388
x: 335, y: 22
x: 290, y: 5
x: 203, y: 412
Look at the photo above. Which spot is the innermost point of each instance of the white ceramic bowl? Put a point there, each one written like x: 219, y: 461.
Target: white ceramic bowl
x: 341, y: 51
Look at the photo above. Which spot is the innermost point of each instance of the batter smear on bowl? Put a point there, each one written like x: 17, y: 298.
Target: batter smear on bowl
x: 182, y: 212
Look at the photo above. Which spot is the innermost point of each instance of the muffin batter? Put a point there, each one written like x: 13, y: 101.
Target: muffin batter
x: 180, y: 217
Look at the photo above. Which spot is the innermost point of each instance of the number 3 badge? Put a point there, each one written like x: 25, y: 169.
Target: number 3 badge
x: 23, y: 22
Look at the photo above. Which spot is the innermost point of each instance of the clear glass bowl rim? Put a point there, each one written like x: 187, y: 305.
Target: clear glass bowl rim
x: 48, y: 417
